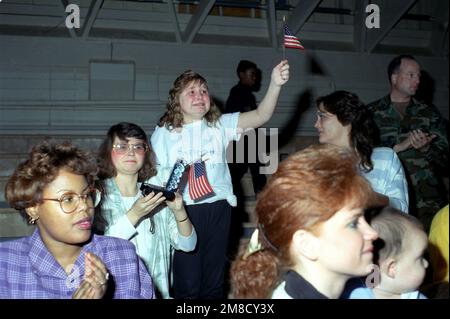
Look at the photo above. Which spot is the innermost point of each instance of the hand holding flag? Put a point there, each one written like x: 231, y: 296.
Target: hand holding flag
x: 280, y: 73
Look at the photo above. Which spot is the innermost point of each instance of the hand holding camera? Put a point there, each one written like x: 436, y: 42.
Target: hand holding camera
x: 175, y: 182
x: 148, y: 188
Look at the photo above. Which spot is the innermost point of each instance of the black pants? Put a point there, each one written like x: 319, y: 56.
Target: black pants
x: 237, y: 172
x: 200, y: 274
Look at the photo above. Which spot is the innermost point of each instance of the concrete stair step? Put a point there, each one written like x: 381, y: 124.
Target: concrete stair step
x: 12, y: 225
x: 247, y: 185
x: 14, y: 149
x: 249, y: 208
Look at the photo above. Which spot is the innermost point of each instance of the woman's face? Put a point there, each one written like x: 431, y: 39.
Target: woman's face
x: 194, y: 102
x: 57, y: 226
x: 128, y: 155
x: 345, y: 243
x: 330, y: 130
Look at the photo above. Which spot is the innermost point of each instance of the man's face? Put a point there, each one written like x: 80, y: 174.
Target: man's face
x: 248, y: 77
x: 407, y: 78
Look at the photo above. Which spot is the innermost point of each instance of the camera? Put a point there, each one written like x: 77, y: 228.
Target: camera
x: 176, y: 182
x: 148, y: 188
x: 178, y: 177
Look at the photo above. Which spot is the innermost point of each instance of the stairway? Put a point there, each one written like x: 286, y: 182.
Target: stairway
x: 15, y: 148
x: 243, y: 220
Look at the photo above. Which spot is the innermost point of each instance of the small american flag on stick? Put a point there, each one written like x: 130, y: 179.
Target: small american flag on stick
x: 199, y: 187
x: 291, y: 41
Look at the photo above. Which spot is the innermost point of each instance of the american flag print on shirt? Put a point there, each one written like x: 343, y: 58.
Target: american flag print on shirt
x: 291, y: 41
x: 199, y: 187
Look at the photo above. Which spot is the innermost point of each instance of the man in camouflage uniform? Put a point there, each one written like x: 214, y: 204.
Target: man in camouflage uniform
x: 417, y: 132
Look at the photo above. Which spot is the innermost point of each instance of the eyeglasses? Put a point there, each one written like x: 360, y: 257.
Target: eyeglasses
x: 69, y: 202
x: 323, y: 115
x: 123, y: 148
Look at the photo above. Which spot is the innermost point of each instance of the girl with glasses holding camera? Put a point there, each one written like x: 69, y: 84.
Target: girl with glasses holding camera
x: 126, y: 160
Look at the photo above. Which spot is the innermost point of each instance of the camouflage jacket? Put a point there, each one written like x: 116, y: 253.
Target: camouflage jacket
x: 421, y: 167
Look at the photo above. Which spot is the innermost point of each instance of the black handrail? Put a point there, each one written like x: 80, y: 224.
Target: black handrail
x: 283, y: 5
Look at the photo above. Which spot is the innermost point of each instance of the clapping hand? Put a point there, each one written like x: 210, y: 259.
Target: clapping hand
x: 95, y: 280
x: 420, y: 140
x: 416, y: 139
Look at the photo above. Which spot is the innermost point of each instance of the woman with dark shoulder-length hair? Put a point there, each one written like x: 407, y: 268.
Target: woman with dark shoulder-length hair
x: 311, y: 234
x: 126, y: 160
x: 343, y: 120
x: 54, y: 189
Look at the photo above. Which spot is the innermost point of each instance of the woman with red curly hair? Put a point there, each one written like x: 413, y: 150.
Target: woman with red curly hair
x: 311, y: 234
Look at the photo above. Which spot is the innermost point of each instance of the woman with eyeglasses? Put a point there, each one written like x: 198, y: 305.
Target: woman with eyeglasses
x: 343, y: 120
x: 126, y: 159
x: 54, y: 189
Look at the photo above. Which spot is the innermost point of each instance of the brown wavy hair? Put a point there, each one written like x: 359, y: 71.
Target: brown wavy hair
x: 308, y: 188
x: 173, y: 118
x: 124, y: 130
x: 25, y: 186
x: 349, y: 109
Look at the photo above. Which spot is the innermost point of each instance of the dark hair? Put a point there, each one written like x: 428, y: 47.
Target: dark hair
x: 123, y: 131
x: 349, y: 109
x: 308, y: 188
x: 244, y: 65
x: 394, y: 65
x: 173, y: 117
x: 25, y: 186
x: 391, y: 226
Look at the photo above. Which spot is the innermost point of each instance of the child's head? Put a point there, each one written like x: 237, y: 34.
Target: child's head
x: 247, y: 72
x: 311, y: 209
x: 126, y: 149
x: 189, y: 100
x: 400, y: 250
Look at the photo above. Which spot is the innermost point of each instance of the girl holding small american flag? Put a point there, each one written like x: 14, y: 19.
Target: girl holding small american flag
x: 193, y: 129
